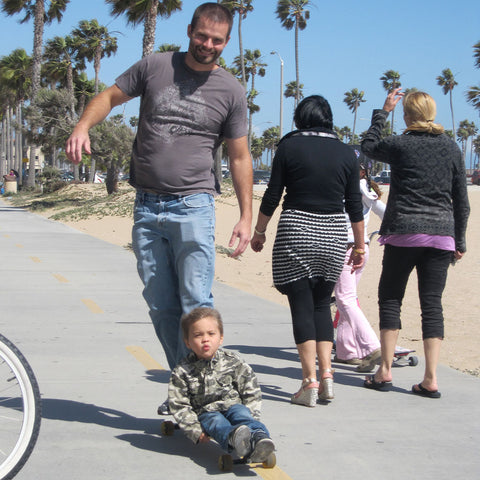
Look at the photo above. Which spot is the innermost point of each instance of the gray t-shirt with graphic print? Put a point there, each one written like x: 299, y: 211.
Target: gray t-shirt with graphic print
x: 184, y: 116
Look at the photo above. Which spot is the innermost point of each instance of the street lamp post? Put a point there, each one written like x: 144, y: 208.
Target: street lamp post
x: 281, y: 91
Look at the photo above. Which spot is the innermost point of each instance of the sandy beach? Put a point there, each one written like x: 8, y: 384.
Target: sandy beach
x: 252, y: 273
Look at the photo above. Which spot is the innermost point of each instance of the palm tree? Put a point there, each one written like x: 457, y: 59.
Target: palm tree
x: 462, y: 136
x: 353, y: 99
x: 471, y: 130
x: 41, y: 16
x: 271, y: 137
x: 476, y: 149
x: 292, y: 14
x: 168, y: 47
x: 256, y: 150
x: 252, y: 66
x: 291, y: 91
x: 344, y: 134
x: 61, y: 58
x: 476, y: 54
x: 447, y: 81
x: 146, y: 12
x: 84, y: 89
x: 242, y: 7
x: 473, y: 96
x: 96, y: 43
x: 473, y: 93
x: 15, y: 78
x: 390, y: 81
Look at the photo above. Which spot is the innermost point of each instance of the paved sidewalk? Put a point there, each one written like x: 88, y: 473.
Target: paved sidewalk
x: 73, y: 305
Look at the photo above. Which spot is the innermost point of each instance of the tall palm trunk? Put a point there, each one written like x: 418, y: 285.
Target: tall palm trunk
x: 149, y: 30
x: 38, y: 28
x: 451, y: 110
x: 19, y: 143
x: 96, y: 66
x: 240, y: 44
x: 37, y: 45
x: 297, y: 68
x: 3, y: 149
x: 10, y: 163
x: 354, y: 124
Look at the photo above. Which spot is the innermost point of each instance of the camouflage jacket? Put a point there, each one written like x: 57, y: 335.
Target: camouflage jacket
x: 198, y: 386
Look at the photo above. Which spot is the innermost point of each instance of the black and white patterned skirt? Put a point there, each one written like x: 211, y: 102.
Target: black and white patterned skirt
x: 308, y: 245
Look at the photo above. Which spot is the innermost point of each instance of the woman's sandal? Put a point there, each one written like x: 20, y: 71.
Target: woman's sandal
x: 326, y: 390
x: 419, y: 389
x: 371, y: 383
x: 308, y: 393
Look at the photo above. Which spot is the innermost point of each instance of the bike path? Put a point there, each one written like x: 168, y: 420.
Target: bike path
x: 73, y: 305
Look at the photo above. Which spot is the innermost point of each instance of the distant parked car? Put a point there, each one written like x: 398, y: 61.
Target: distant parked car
x: 476, y: 177
x: 383, y: 178
x: 261, y: 177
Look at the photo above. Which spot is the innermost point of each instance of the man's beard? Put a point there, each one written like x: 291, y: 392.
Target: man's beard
x: 202, y: 59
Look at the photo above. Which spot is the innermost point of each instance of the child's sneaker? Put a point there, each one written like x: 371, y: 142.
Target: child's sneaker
x: 239, y: 440
x: 164, y: 408
x: 308, y: 393
x: 262, y: 447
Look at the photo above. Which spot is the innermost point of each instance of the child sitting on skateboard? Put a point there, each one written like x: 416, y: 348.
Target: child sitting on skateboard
x: 213, y: 393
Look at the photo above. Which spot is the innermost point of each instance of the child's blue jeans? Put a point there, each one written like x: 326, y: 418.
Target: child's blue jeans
x: 219, y: 425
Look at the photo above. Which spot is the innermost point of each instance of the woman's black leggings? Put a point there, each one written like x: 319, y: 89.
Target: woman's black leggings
x: 309, y: 301
x: 431, y: 265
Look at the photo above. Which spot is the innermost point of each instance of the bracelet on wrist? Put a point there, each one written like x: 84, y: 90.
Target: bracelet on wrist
x: 259, y: 233
x: 358, y: 251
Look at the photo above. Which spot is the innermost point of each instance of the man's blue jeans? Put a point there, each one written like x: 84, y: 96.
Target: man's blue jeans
x: 219, y: 425
x: 174, y: 241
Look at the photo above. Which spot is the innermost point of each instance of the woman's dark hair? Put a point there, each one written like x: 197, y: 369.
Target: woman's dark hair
x: 313, y: 111
x: 215, y: 12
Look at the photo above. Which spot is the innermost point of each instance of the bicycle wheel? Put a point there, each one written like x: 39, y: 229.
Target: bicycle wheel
x: 20, y: 409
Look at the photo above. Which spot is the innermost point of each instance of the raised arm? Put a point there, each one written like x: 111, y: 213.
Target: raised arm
x: 96, y: 111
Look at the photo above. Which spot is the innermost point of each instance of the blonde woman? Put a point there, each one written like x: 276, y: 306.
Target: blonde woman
x: 423, y: 227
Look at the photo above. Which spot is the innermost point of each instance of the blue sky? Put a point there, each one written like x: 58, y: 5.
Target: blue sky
x: 347, y: 44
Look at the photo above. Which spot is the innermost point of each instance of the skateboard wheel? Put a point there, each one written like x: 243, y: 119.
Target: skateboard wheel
x: 225, y: 463
x: 167, y: 428
x: 270, y: 462
x: 413, y: 361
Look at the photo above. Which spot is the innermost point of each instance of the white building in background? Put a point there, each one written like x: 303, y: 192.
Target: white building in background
x: 39, y: 158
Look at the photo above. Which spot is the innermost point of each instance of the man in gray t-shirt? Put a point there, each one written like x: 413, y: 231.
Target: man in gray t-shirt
x: 183, y: 116
x: 188, y: 106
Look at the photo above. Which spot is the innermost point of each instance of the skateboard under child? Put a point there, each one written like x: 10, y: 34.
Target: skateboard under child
x: 225, y: 461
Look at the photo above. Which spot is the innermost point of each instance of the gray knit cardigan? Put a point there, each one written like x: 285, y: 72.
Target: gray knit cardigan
x: 428, y: 190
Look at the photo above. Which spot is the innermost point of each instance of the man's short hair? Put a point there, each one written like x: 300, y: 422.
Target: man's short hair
x: 198, y: 314
x: 215, y: 12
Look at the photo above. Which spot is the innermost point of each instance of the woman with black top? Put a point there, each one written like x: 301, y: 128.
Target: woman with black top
x: 321, y: 178
x: 423, y: 227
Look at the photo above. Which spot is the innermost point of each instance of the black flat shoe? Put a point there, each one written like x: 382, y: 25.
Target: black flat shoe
x: 419, y: 389
x: 372, y: 384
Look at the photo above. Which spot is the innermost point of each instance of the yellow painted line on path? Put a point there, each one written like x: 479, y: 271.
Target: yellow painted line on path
x: 91, y: 305
x: 60, y: 278
x: 150, y: 363
x: 274, y: 473
x: 144, y: 358
x: 36, y: 259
